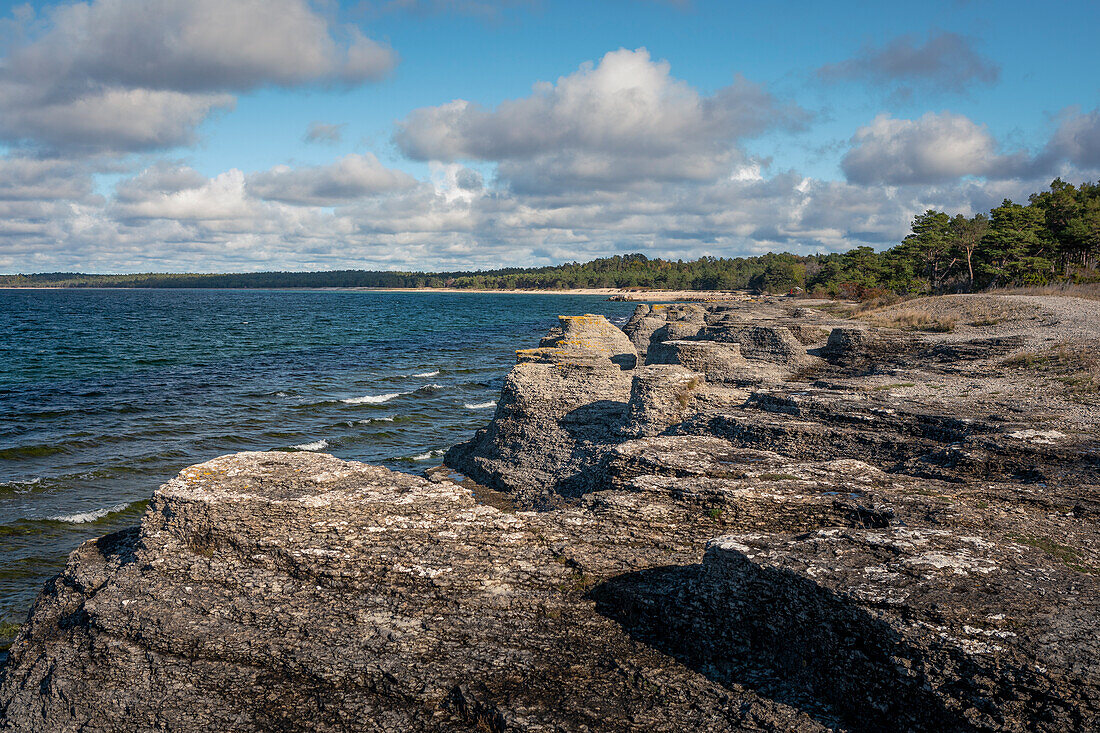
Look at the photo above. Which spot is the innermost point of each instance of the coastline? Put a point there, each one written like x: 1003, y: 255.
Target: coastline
x: 728, y: 484
x: 619, y: 293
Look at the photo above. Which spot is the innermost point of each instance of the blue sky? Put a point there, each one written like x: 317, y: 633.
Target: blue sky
x: 166, y: 135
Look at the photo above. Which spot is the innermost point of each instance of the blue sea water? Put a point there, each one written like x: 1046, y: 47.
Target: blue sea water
x: 105, y: 394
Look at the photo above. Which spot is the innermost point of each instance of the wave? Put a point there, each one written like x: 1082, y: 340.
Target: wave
x: 316, y: 445
x: 429, y: 455
x: 371, y: 420
x: 30, y: 451
x: 20, y: 487
x: 372, y: 399
x: 480, y: 405
x: 426, y: 374
x: 430, y: 388
x: 93, y: 516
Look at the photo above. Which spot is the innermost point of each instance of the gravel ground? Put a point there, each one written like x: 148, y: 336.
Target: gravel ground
x: 1042, y: 319
x: 1046, y: 322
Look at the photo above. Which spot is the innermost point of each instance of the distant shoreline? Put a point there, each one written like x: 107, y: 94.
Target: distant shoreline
x: 624, y: 294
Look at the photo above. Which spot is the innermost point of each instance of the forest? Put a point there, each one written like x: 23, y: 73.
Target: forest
x: 1053, y: 238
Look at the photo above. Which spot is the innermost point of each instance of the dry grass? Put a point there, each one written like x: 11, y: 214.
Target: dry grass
x: 1076, y: 366
x: 1089, y: 291
x: 944, y: 313
x: 911, y: 319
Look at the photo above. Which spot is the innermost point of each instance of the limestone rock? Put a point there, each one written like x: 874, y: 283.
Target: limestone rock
x: 661, y: 395
x: 891, y: 629
x: 719, y: 362
x: 583, y: 338
x: 551, y: 421
x: 909, y: 542
x: 767, y: 343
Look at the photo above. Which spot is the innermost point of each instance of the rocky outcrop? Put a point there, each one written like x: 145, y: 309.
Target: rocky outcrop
x: 886, y: 534
x: 884, y: 629
x: 774, y: 344
x: 717, y: 361
x: 661, y: 396
x: 570, y: 410
x: 663, y: 322
x: 584, y: 338
x: 288, y: 591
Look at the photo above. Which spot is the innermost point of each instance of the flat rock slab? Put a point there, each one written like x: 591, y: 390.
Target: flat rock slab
x: 881, y: 629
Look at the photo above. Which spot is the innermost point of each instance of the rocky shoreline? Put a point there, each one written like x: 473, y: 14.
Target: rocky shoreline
x: 722, y: 517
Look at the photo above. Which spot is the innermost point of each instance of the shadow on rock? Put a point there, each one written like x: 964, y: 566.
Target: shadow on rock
x: 785, y: 637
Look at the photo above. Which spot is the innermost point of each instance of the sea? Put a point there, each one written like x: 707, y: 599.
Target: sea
x: 106, y: 394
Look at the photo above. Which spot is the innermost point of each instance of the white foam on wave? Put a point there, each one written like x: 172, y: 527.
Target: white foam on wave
x: 371, y: 420
x: 480, y: 405
x: 430, y: 387
x: 372, y: 399
x: 429, y: 455
x: 21, y: 487
x: 85, y: 517
x: 426, y: 374
x: 316, y: 445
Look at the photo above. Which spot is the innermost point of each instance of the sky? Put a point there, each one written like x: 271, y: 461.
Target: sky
x: 250, y: 135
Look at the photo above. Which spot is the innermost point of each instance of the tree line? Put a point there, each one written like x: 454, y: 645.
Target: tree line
x: 1055, y: 237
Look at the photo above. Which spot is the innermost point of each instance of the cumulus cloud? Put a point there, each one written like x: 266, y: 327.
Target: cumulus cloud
x: 141, y: 74
x: 946, y: 61
x: 322, y: 132
x: 936, y: 148
x: 32, y: 179
x: 221, y: 199
x: 450, y: 223
x: 160, y: 179
x: 1077, y: 139
x: 608, y: 125
x: 349, y: 178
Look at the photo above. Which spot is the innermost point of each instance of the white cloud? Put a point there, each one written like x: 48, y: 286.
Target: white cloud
x: 1077, y: 139
x: 51, y: 179
x: 323, y: 132
x: 142, y: 74
x: 349, y: 178
x: 169, y: 218
x: 222, y: 198
x: 608, y: 125
x: 936, y: 148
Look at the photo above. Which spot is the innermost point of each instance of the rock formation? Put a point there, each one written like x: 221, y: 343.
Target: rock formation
x: 877, y: 531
